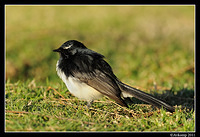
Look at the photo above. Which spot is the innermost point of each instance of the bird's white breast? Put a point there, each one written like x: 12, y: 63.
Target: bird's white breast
x: 78, y: 88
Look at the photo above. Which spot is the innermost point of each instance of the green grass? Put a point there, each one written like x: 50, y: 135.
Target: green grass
x: 39, y: 108
x: 148, y: 47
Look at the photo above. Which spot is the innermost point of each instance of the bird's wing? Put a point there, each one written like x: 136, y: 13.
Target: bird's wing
x: 97, y: 73
x: 102, y: 83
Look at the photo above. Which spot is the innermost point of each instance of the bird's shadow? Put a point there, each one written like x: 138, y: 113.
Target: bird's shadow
x: 183, y: 97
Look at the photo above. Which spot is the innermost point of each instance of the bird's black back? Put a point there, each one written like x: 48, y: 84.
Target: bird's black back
x: 85, y: 61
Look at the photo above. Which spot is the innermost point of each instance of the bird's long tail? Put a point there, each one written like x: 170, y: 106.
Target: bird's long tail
x: 128, y: 91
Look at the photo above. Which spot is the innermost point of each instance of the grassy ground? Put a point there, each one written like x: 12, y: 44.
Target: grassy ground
x: 40, y: 108
x: 149, y: 47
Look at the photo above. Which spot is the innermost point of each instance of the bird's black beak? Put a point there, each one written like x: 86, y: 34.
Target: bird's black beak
x: 56, y: 50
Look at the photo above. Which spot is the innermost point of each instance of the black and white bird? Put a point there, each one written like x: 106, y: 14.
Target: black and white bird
x: 89, y: 77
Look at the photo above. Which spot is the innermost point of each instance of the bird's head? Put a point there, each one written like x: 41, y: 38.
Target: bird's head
x: 70, y: 47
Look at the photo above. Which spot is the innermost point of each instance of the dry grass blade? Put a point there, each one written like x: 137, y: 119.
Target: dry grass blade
x: 57, y: 92
x: 19, y: 112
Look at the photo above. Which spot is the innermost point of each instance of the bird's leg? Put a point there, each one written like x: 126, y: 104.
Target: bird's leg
x: 128, y: 100
x: 89, y: 103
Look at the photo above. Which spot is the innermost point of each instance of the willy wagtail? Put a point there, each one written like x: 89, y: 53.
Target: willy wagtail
x: 88, y: 76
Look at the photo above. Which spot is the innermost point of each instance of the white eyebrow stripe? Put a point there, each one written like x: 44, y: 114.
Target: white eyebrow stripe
x: 67, y: 47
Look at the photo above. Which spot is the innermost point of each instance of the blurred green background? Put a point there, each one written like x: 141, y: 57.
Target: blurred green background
x: 145, y: 45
